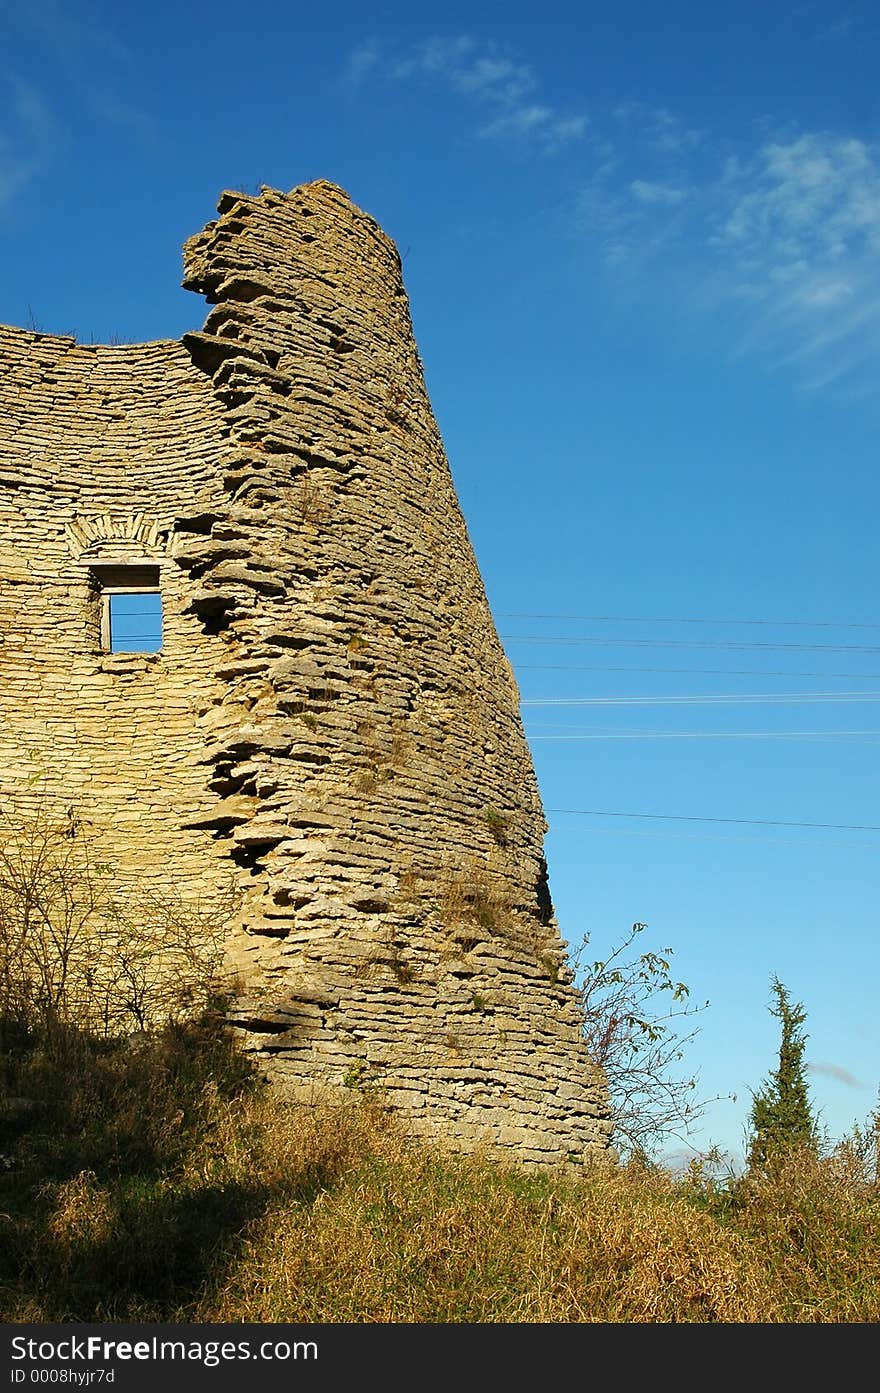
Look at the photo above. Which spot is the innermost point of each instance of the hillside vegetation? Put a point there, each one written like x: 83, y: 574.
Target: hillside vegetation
x: 156, y: 1179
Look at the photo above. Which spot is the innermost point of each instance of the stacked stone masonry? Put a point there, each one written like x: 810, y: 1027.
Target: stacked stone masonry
x: 331, y: 718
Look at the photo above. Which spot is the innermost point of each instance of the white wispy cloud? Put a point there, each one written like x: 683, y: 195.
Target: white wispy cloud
x: 483, y: 72
x: 92, y: 58
x: 361, y: 61
x: 28, y: 135
x: 647, y: 192
x: 480, y: 70
x: 774, y: 238
x: 781, y: 241
x: 798, y: 226
x: 837, y: 30
x: 540, y: 121
x: 658, y: 127
x: 835, y: 1071
x: 71, y: 33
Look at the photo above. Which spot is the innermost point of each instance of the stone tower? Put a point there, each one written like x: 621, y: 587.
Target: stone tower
x: 330, y: 714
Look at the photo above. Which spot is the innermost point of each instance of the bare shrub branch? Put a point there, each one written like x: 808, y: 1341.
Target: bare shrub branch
x: 81, y: 946
x: 634, y: 1010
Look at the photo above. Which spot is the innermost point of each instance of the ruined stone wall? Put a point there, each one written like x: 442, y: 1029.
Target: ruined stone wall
x: 101, y: 449
x: 342, y: 725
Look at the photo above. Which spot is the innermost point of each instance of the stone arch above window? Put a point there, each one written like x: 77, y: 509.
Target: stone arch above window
x: 88, y: 533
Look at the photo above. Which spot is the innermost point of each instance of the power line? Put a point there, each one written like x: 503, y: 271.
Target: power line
x: 716, y: 735
x: 691, y: 643
x: 726, y: 699
x: 644, y: 619
x: 737, y: 821
x: 539, y: 731
x: 692, y: 671
x: 581, y: 733
x: 722, y: 839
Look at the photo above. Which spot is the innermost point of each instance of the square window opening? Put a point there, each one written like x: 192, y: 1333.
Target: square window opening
x: 131, y: 608
x: 135, y: 621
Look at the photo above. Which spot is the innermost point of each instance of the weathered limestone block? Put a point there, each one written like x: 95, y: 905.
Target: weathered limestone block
x: 331, y: 718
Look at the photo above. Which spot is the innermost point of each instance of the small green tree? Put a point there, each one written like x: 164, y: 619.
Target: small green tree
x: 781, y: 1115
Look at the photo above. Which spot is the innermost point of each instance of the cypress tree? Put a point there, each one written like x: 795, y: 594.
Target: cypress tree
x: 781, y: 1114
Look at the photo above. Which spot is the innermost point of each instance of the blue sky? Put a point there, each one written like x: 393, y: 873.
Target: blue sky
x: 642, y: 248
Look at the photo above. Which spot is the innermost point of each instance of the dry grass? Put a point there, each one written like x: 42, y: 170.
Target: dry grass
x: 473, y: 897
x: 416, y: 1237
x: 169, y: 1187
x: 411, y: 1235
x: 815, y: 1223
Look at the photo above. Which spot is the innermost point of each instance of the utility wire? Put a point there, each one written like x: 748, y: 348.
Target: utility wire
x: 691, y: 643
x: 692, y: 671
x: 727, y: 699
x: 721, y: 839
x: 733, y: 821
x: 581, y: 732
x: 540, y: 732
x: 644, y: 619
x: 716, y: 735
